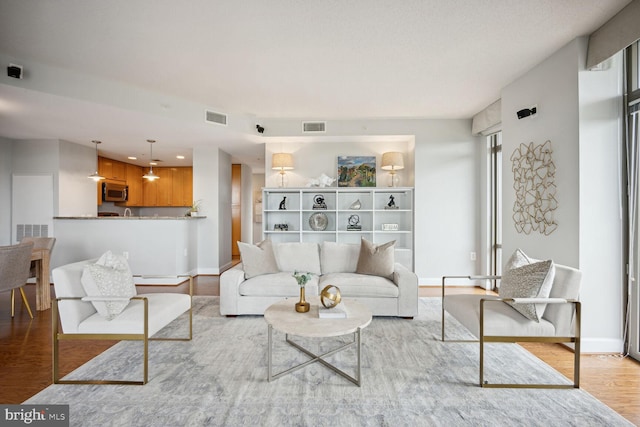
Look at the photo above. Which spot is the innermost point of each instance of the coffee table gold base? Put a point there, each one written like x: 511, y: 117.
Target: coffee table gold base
x: 316, y: 358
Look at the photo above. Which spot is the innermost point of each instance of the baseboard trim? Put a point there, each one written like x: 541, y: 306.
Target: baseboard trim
x: 209, y: 271
x: 601, y: 345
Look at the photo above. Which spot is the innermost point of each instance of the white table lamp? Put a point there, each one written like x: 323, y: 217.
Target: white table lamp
x: 392, y: 162
x: 282, y: 162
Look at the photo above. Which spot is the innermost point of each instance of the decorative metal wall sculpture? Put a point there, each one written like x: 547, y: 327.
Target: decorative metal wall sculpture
x: 533, y: 180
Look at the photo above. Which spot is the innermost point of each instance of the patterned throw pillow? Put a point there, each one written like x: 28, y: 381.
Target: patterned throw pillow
x: 257, y: 259
x: 376, y: 260
x: 110, y: 276
x: 529, y: 281
x: 518, y: 259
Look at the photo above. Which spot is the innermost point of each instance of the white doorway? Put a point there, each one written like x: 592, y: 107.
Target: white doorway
x: 31, y: 206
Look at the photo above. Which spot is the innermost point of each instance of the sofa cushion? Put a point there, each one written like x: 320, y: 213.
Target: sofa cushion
x: 339, y: 257
x: 376, y: 260
x: 298, y: 256
x: 257, y: 259
x: 276, y: 285
x: 110, y: 276
x: 163, y: 308
x: 359, y: 285
x: 528, y: 281
x: 499, y: 318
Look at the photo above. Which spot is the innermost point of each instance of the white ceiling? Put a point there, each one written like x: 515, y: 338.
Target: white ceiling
x: 274, y: 59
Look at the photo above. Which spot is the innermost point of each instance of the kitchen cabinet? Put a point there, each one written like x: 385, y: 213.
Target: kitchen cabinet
x: 134, y: 181
x: 173, y: 188
x: 182, y: 186
x: 112, y: 169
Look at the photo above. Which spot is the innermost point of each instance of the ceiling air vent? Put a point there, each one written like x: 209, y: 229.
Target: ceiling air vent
x: 314, y: 127
x: 213, y: 117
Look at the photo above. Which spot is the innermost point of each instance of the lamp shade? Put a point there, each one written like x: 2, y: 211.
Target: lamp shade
x: 392, y: 160
x: 282, y: 161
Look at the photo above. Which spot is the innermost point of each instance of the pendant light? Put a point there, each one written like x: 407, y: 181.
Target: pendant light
x: 96, y: 176
x: 151, y: 176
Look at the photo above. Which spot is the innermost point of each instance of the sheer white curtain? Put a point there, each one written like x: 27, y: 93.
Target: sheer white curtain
x: 632, y: 320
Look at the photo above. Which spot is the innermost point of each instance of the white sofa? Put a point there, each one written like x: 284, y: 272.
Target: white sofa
x: 330, y: 264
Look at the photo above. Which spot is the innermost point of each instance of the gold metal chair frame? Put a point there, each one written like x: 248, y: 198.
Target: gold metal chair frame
x: 514, y: 339
x: 144, y: 337
x: 24, y: 300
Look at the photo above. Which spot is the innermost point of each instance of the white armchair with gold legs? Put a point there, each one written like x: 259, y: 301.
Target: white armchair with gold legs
x: 136, y: 317
x: 491, y: 319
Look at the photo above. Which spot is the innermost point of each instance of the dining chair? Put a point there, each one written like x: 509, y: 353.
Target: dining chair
x: 15, y: 261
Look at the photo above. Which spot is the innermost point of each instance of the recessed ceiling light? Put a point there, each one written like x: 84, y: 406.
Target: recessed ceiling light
x: 180, y: 157
x: 153, y: 163
x: 132, y: 158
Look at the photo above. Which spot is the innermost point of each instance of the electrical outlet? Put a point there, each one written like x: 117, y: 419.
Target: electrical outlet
x: 472, y: 256
x: 125, y: 255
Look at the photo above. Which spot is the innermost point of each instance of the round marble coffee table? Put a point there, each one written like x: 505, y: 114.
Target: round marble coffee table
x: 283, y: 317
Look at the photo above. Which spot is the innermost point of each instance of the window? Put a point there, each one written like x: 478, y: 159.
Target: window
x: 494, y: 143
x: 632, y: 321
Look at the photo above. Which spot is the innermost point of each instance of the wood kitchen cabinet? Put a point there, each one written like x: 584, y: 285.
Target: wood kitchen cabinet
x: 182, y: 186
x: 134, y: 181
x: 163, y: 186
x: 112, y: 169
x: 173, y: 188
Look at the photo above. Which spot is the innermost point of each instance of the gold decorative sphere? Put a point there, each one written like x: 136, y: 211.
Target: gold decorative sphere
x: 330, y: 296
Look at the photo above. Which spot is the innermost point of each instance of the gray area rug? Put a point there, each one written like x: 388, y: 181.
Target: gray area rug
x: 410, y: 378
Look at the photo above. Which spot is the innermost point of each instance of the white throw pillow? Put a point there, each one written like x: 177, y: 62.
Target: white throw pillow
x: 528, y: 281
x: 110, y: 276
x: 257, y: 259
x: 339, y: 257
x: 298, y: 256
x: 518, y: 259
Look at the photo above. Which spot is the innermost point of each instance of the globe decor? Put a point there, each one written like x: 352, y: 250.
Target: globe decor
x: 330, y: 296
x: 302, y: 306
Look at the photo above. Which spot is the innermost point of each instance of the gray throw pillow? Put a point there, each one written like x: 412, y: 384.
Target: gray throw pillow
x: 529, y: 281
x: 376, y: 260
x: 257, y: 259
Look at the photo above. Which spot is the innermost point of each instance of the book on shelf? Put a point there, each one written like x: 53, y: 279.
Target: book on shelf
x: 337, y: 312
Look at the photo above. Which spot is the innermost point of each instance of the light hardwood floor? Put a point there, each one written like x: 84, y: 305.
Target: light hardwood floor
x: 25, y: 358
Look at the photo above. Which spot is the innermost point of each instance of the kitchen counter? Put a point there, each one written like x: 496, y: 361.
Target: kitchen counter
x: 118, y: 218
x: 154, y: 245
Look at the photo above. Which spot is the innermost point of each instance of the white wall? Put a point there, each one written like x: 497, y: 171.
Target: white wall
x: 224, y: 210
x: 442, y: 163
x: 77, y: 193
x: 448, y: 189
x: 575, y: 114
x: 6, y: 147
x: 313, y: 159
x: 205, y: 188
x: 601, y: 226
x: 553, y: 86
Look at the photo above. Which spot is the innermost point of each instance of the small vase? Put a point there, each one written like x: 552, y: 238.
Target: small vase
x: 302, y: 306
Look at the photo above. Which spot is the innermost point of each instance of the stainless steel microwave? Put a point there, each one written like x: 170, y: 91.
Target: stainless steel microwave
x: 114, y: 192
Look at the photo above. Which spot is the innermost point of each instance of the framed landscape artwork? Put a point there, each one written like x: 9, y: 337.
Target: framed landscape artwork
x: 356, y: 171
